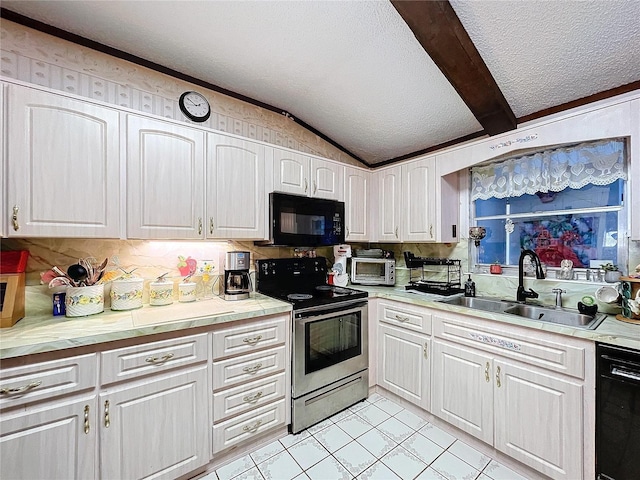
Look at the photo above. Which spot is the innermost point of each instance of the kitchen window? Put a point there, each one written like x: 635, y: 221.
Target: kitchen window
x: 563, y: 203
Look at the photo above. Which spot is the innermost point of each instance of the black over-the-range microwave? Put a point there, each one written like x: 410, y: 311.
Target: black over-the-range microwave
x: 296, y: 221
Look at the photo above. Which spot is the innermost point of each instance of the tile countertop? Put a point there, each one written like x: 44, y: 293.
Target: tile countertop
x: 46, y: 333
x: 611, y: 330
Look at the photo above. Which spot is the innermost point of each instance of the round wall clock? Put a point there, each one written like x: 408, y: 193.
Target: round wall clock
x: 194, y: 106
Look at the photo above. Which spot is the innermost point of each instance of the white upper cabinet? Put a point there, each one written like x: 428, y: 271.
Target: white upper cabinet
x: 387, y: 194
x: 3, y: 213
x: 235, y: 189
x: 357, y: 205
x: 165, y: 180
x: 63, y: 166
x: 300, y: 174
x: 418, y: 223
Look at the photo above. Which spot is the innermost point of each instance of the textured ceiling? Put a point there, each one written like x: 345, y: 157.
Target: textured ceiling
x: 353, y: 69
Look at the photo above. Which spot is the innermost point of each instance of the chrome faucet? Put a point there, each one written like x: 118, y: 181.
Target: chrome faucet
x: 522, y: 294
x: 558, y: 292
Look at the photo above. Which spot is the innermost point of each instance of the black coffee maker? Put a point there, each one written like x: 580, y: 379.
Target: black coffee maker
x: 237, y: 282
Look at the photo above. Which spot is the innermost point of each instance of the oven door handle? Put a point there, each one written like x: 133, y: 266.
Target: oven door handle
x: 619, y: 372
x: 333, y: 313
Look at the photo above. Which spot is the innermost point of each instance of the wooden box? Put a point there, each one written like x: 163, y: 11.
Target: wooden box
x: 11, y: 298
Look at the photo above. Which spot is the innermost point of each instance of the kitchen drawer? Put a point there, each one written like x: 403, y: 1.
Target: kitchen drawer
x: 46, y: 380
x: 554, y: 352
x: 248, y: 396
x: 233, y: 371
x: 149, y: 358
x: 416, y: 319
x: 245, y: 427
x: 249, y: 337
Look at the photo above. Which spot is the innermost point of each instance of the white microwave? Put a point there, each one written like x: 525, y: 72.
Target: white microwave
x: 373, y: 271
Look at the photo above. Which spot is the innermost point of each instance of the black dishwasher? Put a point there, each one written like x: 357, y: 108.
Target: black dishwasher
x: 618, y: 413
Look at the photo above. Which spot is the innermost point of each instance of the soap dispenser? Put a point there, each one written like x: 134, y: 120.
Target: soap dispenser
x: 469, y: 288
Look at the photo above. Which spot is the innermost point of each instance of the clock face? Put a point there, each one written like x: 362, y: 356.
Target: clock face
x: 195, y: 106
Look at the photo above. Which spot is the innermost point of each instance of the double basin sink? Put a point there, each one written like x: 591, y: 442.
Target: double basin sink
x: 533, y: 312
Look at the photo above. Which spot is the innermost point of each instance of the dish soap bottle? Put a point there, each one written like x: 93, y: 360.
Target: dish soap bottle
x: 469, y: 288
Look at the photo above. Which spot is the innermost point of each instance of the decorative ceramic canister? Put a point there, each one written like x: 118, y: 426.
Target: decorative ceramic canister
x: 126, y: 293
x: 187, y: 292
x: 161, y: 292
x: 83, y: 301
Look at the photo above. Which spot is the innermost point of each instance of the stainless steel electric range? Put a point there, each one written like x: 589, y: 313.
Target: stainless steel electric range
x: 330, y: 355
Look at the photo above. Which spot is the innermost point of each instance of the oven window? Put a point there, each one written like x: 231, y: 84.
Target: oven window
x: 331, y: 341
x: 370, y: 270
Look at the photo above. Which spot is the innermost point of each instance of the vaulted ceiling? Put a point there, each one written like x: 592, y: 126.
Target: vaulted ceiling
x: 381, y: 79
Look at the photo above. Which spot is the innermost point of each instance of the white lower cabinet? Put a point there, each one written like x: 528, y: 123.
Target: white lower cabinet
x: 157, y: 428
x: 404, y: 346
x: 54, y: 440
x: 492, y: 383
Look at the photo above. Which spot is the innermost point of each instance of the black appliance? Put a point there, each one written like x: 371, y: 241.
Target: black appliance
x: 298, y: 221
x: 617, y: 413
x: 330, y: 350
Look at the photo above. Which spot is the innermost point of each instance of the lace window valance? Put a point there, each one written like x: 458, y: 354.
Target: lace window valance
x: 553, y: 170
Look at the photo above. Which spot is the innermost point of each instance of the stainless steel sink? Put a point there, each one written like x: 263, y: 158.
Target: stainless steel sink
x: 479, y: 303
x: 533, y: 312
x: 557, y: 315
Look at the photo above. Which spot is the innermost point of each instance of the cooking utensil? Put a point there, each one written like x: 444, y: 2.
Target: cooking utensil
x: 77, y: 272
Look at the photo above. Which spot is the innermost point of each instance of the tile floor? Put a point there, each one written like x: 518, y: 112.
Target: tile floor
x: 374, y: 439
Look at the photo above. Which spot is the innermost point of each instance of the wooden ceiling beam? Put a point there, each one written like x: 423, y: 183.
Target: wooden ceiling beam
x: 440, y: 32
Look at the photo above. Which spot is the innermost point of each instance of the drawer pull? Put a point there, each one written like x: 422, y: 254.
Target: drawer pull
x: 425, y: 350
x: 253, y: 369
x: 486, y: 373
x: 252, y: 428
x: 401, y: 318
x: 252, y: 340
x: 86, y: 419
x: 199, y: 225
x: 107, y: 420
x: 14, y: 218
x: 211, y: 225
x: 157, y: 361
x: 22, y: 389
x: 498, y: 377
x: 253, y: 398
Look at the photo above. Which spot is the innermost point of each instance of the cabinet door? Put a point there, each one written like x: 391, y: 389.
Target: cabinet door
x: 539, y: 420
x: 634, y: 174
x: 158, y: 428
x: 419, y: 198
x: 291, y: 172
x: 165, y: 186
x: 53, y: 441
x: 463, y: 389
x: 389, y: 184
x: 236, y: 198
x: 63, y: 166
x: 357, y: 206
x: 327, y: 180
x: 403, y: 364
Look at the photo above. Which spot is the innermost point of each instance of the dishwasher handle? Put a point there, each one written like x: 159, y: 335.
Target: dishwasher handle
x: 628, y: 374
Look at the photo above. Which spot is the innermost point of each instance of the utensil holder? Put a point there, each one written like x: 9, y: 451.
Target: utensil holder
x: 83, y: 301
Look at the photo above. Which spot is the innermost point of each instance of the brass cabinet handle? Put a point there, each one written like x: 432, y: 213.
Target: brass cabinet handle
x: 252, y: 340
x: 401, y: 319
x: 199, y: 225
x: 156, y: 360
x: 86, y: 419
x: 431, y: 231
x: 211, y: 225
x: 252, y: 428
x: 486, y: 372
x: 14, y: 218
x: 498, y: 377
x: 253, y: 398
x: 396, y: 232
x: 22, y: 389
x: 348, y: 231
x: 306, y: 185
x: 425, y: 350
x: 107, y: 420
x: 253, y: 369
x: 315, y: 187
